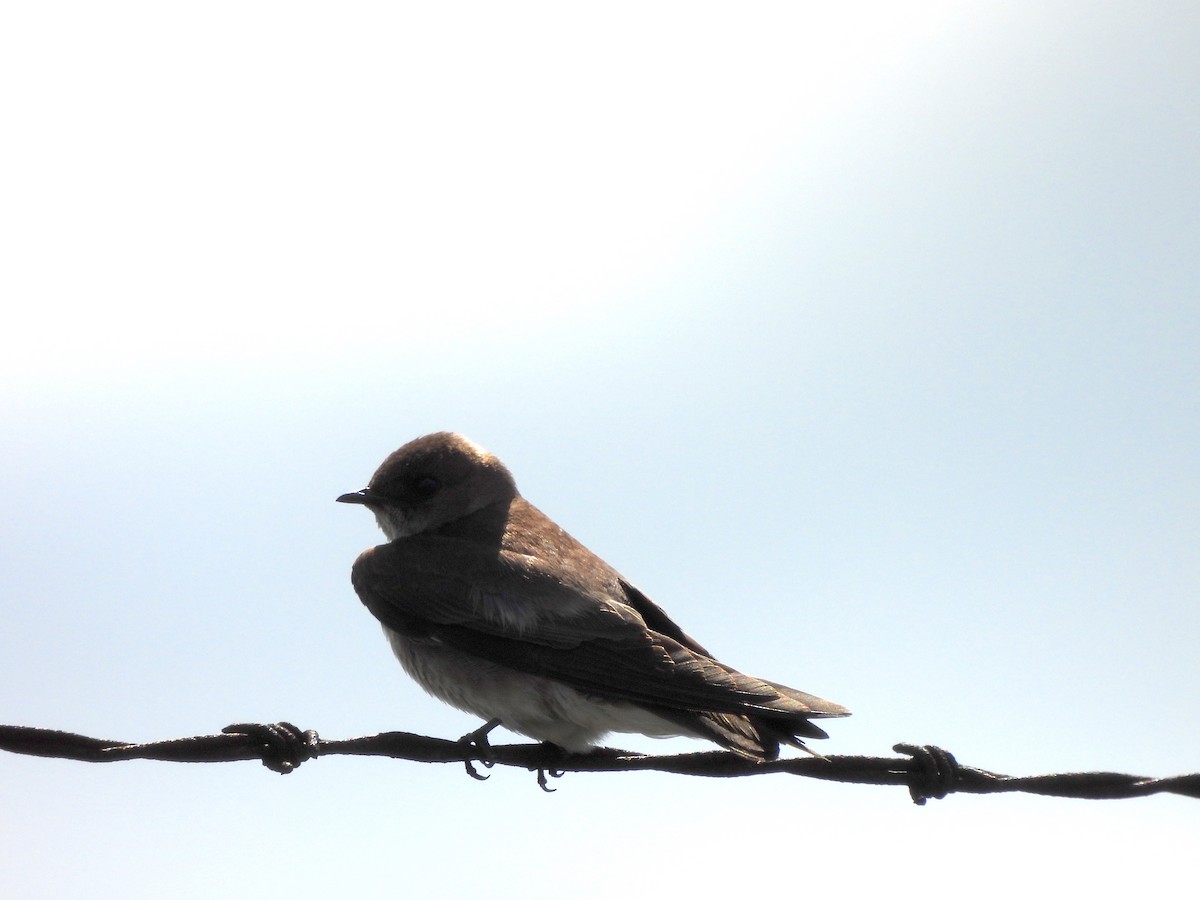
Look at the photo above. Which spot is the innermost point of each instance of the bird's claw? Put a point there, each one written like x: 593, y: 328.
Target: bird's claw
x: 478, y: 739
x: 542, y: 778
x: 469, y: 765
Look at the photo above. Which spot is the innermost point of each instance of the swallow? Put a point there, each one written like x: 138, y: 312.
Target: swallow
x: 493, y: 608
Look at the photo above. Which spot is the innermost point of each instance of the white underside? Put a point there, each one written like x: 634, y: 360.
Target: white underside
x: 536, y: 707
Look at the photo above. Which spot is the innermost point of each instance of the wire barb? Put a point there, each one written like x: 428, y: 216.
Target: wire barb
x: 283, y: 746
x: 933, y: 773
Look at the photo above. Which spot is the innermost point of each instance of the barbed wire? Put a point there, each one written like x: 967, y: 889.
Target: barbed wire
x: 927, y: 771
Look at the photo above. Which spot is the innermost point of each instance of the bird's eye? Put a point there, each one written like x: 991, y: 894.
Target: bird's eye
x: 426, y: 486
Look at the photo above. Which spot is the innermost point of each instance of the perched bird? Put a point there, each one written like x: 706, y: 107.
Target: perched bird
x: 493, y: 608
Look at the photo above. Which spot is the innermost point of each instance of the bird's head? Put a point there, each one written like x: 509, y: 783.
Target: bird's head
x: 432, y: 481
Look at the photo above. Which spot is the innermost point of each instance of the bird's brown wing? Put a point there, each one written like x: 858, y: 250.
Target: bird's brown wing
x: 657, y: 619
x: 514, y: 610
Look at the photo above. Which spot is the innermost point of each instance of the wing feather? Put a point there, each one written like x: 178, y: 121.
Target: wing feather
x: 514, y: 610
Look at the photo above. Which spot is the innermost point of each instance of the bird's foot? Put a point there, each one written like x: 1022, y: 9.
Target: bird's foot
x: 478, y: 739
x: 544, y: 775
x: 542, y: 779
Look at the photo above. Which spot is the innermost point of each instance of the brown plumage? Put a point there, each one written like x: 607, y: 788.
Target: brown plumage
x: 493, y: 608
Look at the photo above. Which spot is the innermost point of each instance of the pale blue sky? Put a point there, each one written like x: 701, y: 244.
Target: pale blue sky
x: 866, y: 341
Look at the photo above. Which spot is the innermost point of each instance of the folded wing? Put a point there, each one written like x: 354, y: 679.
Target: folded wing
x: 616, y: 644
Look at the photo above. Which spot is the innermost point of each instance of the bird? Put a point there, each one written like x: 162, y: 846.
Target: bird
x: 494, y: 609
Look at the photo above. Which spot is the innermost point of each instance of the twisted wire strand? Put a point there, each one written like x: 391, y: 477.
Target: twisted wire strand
x: 927, y: 772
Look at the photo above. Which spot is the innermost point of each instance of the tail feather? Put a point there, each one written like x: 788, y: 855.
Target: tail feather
x: 754, y: 737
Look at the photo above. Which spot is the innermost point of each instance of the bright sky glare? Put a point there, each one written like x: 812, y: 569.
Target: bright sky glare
x: 194, y: 188
x: 863, y: 338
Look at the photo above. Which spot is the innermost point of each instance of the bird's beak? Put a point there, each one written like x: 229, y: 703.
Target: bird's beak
x: 364, y: 497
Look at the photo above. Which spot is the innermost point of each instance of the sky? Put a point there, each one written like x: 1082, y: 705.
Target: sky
x: 863, y: 338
